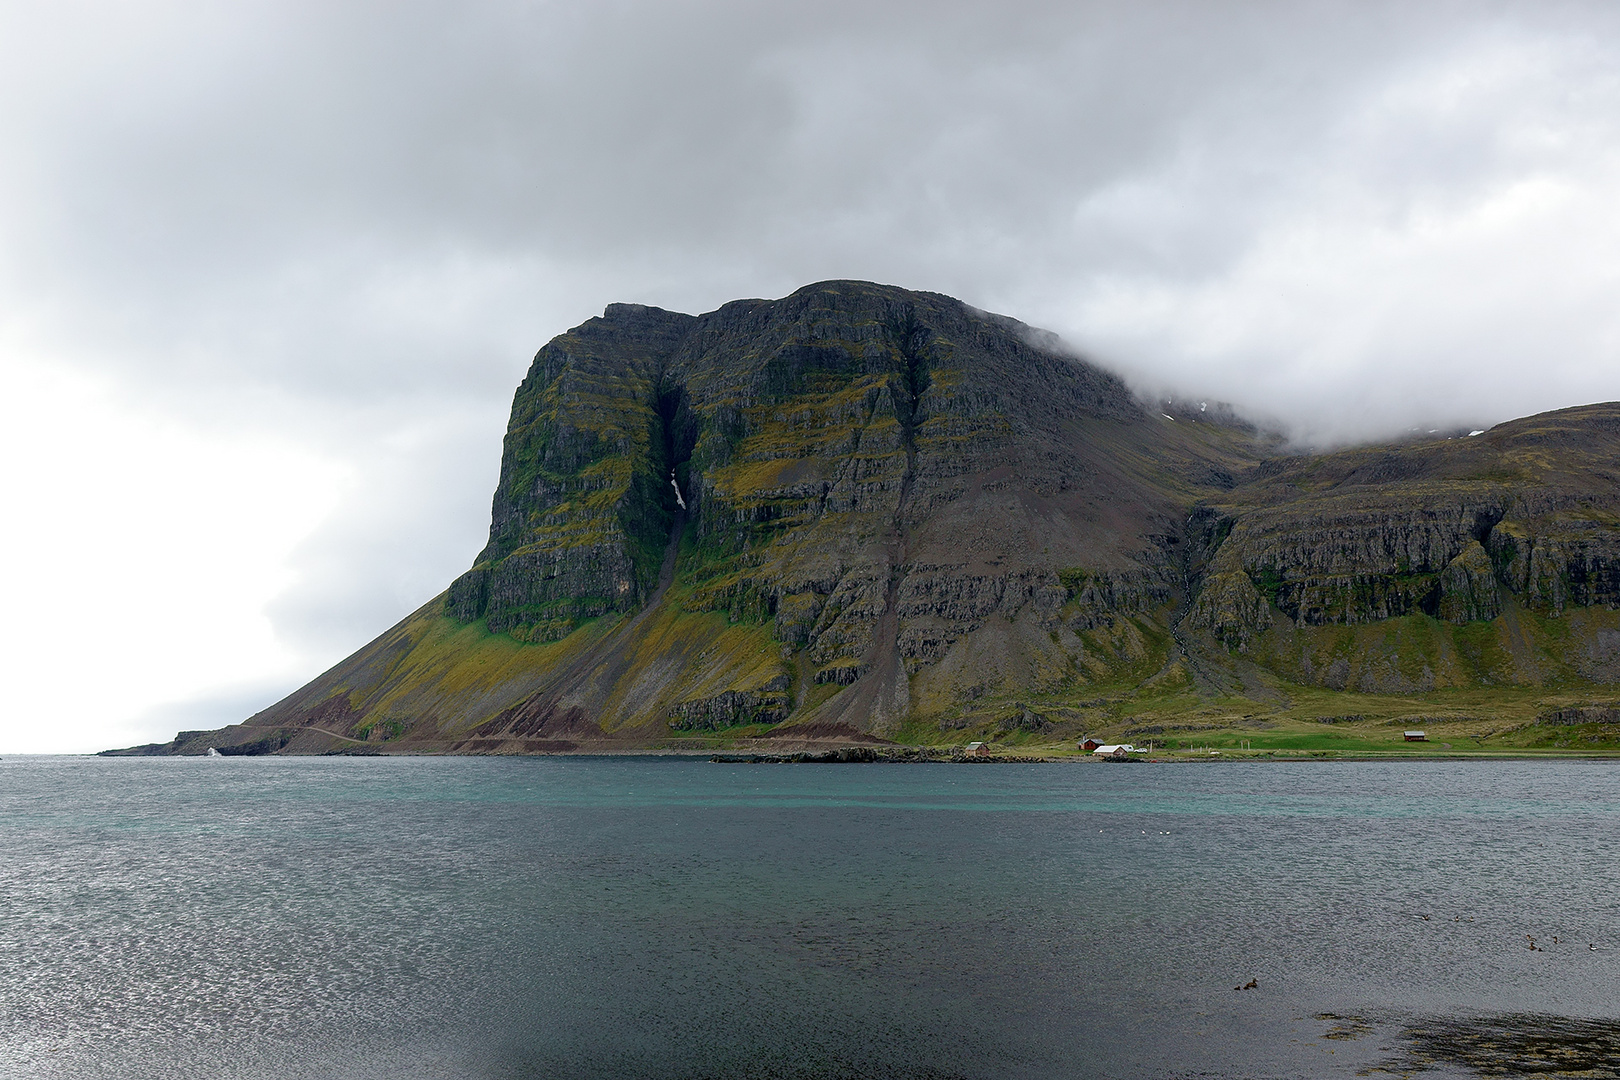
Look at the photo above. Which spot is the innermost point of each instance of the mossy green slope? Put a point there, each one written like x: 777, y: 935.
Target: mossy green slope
x: 863, y: 512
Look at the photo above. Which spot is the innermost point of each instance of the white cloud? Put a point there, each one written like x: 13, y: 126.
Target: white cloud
x: 1373, y: 297
x: 140, y: 557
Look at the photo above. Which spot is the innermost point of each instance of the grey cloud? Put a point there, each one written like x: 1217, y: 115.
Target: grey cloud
x: 348, y: 222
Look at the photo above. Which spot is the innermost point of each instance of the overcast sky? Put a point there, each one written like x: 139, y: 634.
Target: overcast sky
x: 270, y: 272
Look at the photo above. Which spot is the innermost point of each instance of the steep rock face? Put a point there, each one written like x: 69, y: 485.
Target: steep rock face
x: 1468, y: 587
x: 871, y: 473
x: 1365, y: 535
x: 1522, y: 519
x: 863, y: 509
x: 769, y: 703
x: 581, y: 514
x: 1562, y: 560
x: 805, y: 436
x: 1231, y: 608
x: 1358, y: 556
x: 835, y: 427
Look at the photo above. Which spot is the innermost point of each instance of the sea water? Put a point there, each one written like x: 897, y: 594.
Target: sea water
x: 663, y: 917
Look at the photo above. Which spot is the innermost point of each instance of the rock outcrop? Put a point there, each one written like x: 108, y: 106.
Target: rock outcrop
x: 583, y: 510
x: 1230, y: 607
x: 1467, y: 587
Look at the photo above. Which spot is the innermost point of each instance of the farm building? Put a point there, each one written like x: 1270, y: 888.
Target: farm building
x: 1417, y: 736
x: 977, y: 749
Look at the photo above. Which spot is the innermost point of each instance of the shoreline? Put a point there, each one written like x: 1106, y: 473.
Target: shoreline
x: 845, y: 753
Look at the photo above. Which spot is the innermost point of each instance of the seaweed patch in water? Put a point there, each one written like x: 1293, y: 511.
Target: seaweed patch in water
x: 1514, y: 1044
x: 1345, y: 1027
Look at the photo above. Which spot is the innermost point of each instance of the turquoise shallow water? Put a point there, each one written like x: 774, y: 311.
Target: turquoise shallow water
x: 572, y: 917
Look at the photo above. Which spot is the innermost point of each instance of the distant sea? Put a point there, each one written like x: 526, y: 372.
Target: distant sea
x: 672, y: 918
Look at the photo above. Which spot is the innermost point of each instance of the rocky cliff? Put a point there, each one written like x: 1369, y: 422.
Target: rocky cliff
x: 1503, y: 548
x: 863, y: 512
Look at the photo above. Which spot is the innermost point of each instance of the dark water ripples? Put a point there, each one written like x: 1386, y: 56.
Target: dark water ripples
x: 406, y: 918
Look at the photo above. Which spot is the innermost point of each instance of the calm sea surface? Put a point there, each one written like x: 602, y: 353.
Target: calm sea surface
x: 475, y: 917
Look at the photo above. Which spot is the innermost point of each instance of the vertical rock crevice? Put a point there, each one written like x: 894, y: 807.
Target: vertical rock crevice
x: 888, y: 698
x: 583, y: 513
x: 659, y: 506
x: 910, y: 340
x: 675, y: 438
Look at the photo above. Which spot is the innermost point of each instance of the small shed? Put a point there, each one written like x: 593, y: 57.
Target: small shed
x: 977, y: 749
x: 1088, y: 744
x: 1417, y: 736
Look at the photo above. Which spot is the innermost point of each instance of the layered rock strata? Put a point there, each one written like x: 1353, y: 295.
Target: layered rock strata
x: 1525, y: 514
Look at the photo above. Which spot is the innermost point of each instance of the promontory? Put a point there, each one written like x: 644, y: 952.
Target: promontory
x: 860, y: 513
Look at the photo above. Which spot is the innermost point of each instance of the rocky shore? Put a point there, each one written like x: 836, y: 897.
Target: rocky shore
x: 865, y: 755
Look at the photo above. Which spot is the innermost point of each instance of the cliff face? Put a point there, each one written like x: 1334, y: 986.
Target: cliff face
x: 1518, y: 528
x: 582, y: 512
x: 862, y: 511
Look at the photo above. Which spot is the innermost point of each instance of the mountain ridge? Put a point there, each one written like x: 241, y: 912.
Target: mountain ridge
x: 860, y: 512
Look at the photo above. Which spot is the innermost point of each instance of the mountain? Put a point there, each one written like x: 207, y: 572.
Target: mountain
x: 864, y: 513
